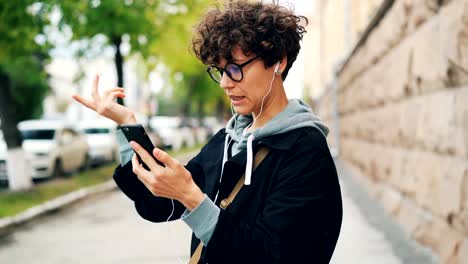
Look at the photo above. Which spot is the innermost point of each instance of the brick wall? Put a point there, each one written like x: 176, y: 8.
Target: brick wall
x: 403, y: 117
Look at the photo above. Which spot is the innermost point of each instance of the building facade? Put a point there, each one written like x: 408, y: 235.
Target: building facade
x: 399, y: 102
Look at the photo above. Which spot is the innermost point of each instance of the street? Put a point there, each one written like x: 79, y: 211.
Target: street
x: 105, y: 228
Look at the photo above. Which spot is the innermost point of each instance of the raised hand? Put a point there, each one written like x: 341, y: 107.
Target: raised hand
x: 106, y: 106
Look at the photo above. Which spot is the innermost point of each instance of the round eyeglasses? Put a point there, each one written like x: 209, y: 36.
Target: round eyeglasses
x: 233, y: 71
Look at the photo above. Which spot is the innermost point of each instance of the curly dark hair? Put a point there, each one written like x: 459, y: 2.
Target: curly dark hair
x: 265, y: 29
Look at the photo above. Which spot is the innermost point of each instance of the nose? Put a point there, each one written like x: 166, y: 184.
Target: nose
x: 226, y: 82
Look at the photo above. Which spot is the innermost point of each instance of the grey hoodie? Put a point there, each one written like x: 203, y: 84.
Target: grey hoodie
x: 296, y: 115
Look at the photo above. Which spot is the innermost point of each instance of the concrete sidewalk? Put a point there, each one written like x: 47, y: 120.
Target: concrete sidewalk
x: 368, y: 234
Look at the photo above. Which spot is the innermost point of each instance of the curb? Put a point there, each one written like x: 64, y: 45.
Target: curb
x: 12, y: 221
x: 8, y: 223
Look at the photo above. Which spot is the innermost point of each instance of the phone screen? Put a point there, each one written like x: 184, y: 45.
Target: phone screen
x: 138, y: 134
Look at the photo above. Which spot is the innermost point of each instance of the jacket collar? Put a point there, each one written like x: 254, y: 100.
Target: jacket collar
x: 282, y: 141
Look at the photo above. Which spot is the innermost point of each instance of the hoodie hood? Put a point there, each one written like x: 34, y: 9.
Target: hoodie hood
x: 296, y: 115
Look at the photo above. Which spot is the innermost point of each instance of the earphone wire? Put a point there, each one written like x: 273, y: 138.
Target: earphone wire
x: 172, y: 200
x: 263, y: 99
x: 169, y: 228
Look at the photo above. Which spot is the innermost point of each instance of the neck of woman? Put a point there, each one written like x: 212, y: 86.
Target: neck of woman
x: 275, y: 105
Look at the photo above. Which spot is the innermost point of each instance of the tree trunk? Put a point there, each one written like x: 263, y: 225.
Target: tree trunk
x: 16, y: 162
x: 9, y: 114
x: 116, y: 41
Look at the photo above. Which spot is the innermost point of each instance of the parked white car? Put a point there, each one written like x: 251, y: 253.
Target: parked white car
x: 102, y: 140
x: 53, y: 148
x: 173, y: 132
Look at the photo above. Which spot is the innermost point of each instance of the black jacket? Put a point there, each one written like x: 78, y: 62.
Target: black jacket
x: 291, y: 212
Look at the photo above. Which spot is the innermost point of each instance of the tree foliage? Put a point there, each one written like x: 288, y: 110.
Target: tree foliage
x: 23, y: 55
x: 194, y: 90
x: 132, y: 21
x: 158, y: 31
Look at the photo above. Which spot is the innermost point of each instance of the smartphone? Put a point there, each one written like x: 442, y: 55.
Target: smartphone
x: 137, y: 133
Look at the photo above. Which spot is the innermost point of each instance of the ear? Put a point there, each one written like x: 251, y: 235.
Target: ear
x: 281, y: 65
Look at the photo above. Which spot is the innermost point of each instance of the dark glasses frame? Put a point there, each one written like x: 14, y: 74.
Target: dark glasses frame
x: 224, y: 70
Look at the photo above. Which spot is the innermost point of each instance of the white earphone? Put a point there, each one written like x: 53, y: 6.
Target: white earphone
x: 277, y: 70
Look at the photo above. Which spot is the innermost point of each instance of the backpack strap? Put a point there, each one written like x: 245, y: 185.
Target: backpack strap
x: 259, y: 157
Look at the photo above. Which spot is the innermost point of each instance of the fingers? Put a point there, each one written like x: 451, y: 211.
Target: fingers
x: 95, y: 92
x: 117, y: 89
x: 143, y: 175
x: 144, y: 155
x: 84, y: 102
x: 113, y: 95
x: 166, y: 159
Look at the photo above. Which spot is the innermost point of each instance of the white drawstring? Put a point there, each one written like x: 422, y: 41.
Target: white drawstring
x: 225, y: 158
x: 225, y: 154
x: 248, y: 166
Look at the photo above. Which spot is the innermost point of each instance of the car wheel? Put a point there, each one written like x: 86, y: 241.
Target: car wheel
x: 58, y: 169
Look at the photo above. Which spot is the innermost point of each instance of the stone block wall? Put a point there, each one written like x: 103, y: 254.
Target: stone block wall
x: 403, y: 120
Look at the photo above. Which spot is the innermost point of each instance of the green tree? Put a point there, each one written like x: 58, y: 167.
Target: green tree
x: 23, y: 54
x: 134, y: 20
x: 194, y: 90
x: 23, y: 81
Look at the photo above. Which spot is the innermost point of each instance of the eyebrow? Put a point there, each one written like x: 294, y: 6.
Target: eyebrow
x: 236, y: 60
x: 233, y: 60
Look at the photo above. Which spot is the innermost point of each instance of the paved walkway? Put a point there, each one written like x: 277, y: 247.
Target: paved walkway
x: 368, y: 234
x: 106, y: 229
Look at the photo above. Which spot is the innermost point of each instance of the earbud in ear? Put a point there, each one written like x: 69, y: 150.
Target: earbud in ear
x: 277, y: 70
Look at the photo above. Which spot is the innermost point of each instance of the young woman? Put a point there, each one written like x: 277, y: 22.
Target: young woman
x: 289, y: 209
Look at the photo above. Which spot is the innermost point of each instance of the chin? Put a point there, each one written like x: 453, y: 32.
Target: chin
x: 242, y: 110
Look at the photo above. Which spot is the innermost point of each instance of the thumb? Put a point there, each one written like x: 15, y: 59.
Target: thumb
x: 165, y: 158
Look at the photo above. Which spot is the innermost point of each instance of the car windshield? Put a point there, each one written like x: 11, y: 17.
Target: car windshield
x: 96, y: 131
x: 43, y: 134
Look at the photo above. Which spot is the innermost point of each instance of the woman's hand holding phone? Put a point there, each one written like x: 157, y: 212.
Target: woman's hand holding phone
x: 173, y: 181
x: 136, y: 132
x: 106, y: 106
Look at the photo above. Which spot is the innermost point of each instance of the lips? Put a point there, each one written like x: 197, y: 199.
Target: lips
x: 236, y: 100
